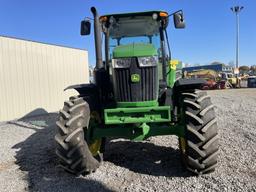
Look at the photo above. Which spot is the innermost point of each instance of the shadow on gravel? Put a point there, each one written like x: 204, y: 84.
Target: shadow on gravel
x: 146, y: 158
x: 36, y: 156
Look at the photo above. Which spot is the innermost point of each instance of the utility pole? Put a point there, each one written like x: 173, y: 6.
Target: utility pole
x: 237, y: 10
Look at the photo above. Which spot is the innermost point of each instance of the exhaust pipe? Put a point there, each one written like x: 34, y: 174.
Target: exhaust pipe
x: 97, y: 38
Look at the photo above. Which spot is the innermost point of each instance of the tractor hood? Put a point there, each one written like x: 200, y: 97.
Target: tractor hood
x: 134, y: 50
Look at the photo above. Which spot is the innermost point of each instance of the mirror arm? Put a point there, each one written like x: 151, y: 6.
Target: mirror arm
x: 175, y: 12
x: 89, y: 18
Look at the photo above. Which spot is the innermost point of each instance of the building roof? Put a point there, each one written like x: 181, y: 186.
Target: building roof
x: 216, y: 67
x: 23, y: 39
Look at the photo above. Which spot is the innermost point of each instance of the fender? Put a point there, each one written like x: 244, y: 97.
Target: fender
x: 180, y: 86
x: 84, y: 89
x: 90, y: 93
x: 183, y: 84
x: 187, y: 84
x: 168, y: 95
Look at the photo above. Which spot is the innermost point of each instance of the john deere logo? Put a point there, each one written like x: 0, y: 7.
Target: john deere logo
x: 135, y: 78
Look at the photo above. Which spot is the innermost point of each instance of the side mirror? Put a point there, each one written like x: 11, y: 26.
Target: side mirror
x: 85, y: 27
x: 179, y: 21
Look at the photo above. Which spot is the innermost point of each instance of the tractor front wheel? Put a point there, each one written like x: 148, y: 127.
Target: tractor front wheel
x: 71, y: 147
x: 199, y: 146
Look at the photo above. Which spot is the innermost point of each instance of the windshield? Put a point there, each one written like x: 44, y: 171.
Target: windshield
x: 133, y: 26
x: 154, y: 40
x: 134, y: 30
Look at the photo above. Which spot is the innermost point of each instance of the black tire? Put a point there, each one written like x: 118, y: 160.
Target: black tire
x: 199, y: 147
x: 72, y: 148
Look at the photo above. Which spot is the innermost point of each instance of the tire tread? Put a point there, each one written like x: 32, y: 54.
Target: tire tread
x: 72, y: 149
x: 201, y: 134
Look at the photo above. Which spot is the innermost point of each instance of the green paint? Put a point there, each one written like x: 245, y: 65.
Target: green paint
x: 171, y: 77
x: 135, y: 78
x: 137, y: 115
x: 138, y: 104
x: 144, y: 130
x: 134, y: 50
x: 139, y: 132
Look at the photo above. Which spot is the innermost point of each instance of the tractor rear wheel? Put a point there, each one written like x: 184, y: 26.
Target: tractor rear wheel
x: 199, y: 146
x: 71, y: 147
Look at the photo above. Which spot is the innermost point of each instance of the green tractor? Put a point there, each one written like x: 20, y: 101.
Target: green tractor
x: 135, y: 95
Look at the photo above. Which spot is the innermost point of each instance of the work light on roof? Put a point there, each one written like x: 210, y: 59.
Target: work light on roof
x: 154, y: 16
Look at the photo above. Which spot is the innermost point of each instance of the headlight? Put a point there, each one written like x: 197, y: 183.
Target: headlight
x: 121, y: 63
x: 147, y: 61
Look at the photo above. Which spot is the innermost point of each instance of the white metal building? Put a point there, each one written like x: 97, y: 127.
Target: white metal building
x: 33, y: 76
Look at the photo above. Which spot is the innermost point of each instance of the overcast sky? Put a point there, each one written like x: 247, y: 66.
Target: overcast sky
x: 209, y: 35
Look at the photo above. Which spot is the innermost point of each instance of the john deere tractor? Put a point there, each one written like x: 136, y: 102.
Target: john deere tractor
x: 135, y: 95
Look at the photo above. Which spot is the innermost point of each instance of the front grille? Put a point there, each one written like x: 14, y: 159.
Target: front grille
x: 144, y: 90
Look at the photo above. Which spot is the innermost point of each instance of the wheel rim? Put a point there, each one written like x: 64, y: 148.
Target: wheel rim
x: 183, y: 145
x: 95, y: 146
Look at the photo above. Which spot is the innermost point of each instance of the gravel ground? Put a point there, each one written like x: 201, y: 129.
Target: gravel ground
x: 28, y: 162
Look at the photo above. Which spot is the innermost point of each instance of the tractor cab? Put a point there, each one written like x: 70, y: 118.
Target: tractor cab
x: 135, y: 35
x: 135, y: 44
x: 136, y: 55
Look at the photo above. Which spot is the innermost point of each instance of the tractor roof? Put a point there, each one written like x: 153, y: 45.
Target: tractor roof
x: 146, y: 13
x: 136, y: 21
